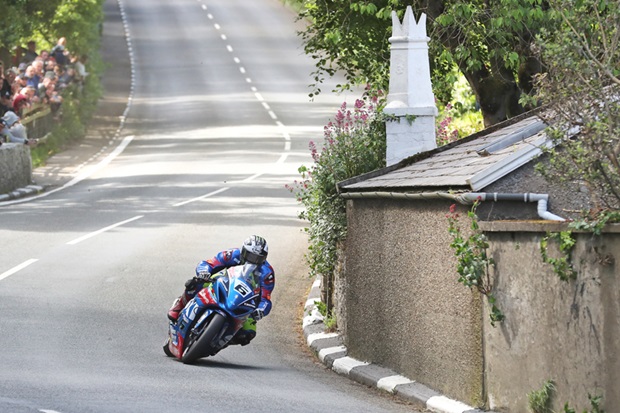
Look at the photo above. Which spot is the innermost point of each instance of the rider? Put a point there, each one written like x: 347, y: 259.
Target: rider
x: 254, y: 250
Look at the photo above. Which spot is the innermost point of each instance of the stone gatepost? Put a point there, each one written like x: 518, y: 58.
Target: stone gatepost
x: 410, y: 98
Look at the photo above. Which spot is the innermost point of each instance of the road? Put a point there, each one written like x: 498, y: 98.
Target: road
x: 218, y: 121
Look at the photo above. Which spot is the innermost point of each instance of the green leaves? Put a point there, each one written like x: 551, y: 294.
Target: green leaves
x: 562, y: 265
x: 353, y: 143
x: 580, y: 87
x: 364, y: 8
x: 472, y: 260
x: 77, y: 20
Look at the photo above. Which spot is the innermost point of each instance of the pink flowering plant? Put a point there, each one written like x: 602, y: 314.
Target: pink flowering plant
x: 353, y: 144
x: 446, y: 132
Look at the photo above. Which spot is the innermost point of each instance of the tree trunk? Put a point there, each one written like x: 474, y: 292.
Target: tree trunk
x: 497, y: 94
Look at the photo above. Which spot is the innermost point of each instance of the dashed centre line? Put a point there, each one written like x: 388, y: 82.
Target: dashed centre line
x: 92, y: 234
x: 18, y: 268
x: 125, y: 142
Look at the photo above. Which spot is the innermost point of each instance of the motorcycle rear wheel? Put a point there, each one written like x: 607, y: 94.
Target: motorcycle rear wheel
x: 202, y: 347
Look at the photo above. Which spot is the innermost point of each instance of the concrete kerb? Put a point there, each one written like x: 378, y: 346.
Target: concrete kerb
x: 331, y: 351
x: 26, y: 191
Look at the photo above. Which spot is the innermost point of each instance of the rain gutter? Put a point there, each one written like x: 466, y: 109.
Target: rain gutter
x: 465, y: 198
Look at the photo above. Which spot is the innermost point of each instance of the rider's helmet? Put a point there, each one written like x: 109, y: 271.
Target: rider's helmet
x: 254, y: 250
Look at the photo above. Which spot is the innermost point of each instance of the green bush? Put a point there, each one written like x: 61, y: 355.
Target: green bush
x: 354, y: 143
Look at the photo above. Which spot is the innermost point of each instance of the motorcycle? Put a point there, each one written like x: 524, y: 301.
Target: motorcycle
x: 211, y: 319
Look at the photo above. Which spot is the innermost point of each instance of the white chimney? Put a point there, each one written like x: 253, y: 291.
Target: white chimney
x: 410, y: 98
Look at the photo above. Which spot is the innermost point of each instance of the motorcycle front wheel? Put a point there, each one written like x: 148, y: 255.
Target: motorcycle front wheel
x: 202, y: 346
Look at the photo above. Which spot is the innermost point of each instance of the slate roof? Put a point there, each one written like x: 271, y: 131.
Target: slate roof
x: 470, y: 164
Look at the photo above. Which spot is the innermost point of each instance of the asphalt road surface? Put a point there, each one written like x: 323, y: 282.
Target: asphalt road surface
x: 218, y: 120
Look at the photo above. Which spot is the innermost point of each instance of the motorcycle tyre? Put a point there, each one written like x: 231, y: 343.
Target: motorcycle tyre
x: 202, y: 346
x: 167, y: 348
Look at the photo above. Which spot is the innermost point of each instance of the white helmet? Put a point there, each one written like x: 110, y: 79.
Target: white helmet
x: 254, y: 250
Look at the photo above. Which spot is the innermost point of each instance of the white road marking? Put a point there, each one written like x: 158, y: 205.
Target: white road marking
x: 18, y: 268
x: 271, y: 113
x: 92, y: 234
x: 117, y: 151
x: 202, y: 197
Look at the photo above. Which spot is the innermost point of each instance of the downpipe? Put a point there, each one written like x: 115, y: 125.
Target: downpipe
x: 541, y: 200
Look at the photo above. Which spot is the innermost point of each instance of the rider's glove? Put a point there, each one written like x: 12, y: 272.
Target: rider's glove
x: 203, y: 275
x: 258, y: 314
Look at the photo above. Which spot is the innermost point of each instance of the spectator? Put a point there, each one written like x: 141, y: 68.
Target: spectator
x: 10, y: 75
x: 65, y: 77
x: 31, y: 93
x: 5, y: 103
x: 39, y: 67
x: 21, y: 81
x: 50, y: 62
x: 19, y: 103
x: 60, y: 52
x: 44, y: 55
x: 30, y: 54
x: 54, y: 99
x: 41, y: 91
x: 32, y: 78
x: 79, y: 63
x: 22, y: 68
x: 13, y: 131
x: 50, y: 65
x: 6, y: 86
x: 19, y: 55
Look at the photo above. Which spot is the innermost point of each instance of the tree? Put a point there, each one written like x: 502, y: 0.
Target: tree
x: 582, y: 90
x: 490, y: 43
x: 21, y: 17
x: 77, y: 20
x: 83, y: 34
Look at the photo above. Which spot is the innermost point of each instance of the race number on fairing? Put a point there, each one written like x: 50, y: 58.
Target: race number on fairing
x: 242, y: 289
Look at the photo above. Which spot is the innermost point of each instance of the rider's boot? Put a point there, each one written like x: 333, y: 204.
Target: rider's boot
x: 177, y: 306
x: 245, y: 334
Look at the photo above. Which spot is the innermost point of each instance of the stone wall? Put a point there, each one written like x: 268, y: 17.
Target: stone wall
x: 15, y: 167
x: 399, y: 302
x: 568, y: 332
x: 399, y: 305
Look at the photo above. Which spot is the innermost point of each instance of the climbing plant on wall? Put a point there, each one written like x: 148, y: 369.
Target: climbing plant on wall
x: 473, y: 262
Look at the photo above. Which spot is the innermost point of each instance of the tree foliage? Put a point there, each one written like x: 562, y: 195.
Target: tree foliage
x: 489, y: 42
x: 82, y: 33
x: 77, y: 20
x: 21, y: 18
x: 582, y: 89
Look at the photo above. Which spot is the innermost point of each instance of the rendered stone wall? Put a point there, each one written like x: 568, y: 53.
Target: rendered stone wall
x: 399, y: 305
x: 399, y: 302
x: 15, y: 167
x: 568, y: 332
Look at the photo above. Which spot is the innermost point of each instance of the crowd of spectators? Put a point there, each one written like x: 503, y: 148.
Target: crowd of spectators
x: 35, y: 80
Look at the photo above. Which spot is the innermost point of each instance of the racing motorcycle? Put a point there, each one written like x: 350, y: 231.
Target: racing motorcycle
x: 211, y: 319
